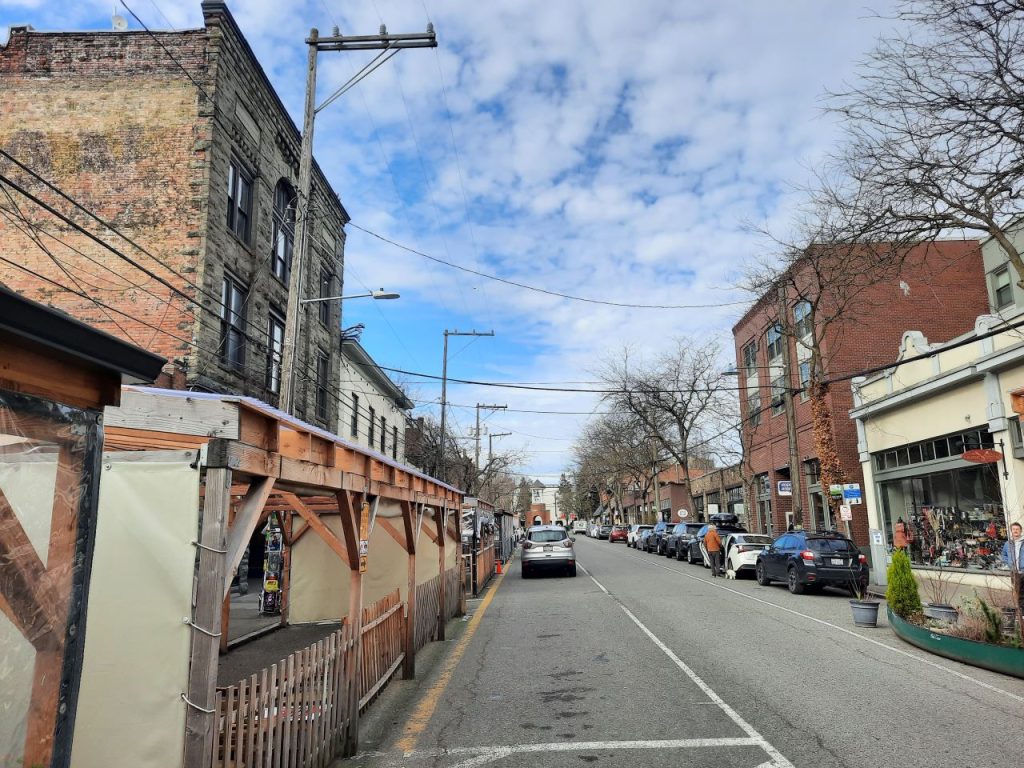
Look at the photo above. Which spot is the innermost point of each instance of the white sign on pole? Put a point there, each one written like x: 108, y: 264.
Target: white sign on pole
x: 845, y: 512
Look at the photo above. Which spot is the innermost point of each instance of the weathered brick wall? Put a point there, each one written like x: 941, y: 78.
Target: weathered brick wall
x: 946, y: 293
x: 110, y: 120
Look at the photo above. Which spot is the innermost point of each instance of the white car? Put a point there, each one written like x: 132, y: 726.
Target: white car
x: 579, y: 526
x: 741, y: 551
x: 592, y: 530
x: 634, y: 533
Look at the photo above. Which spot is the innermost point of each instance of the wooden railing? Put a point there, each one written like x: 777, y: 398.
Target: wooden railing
x: 296, y: 707
x: 484, y: 563
x: 295, y: 712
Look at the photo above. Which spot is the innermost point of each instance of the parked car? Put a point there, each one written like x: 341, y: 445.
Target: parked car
x: 697, y: 553
x: 604, y: 532
x: 644, y: 535
x: 741, y: 551
x: 633, y: 534
x: 592, y: 530
x: 618, y: 533
x: 654, y: 541
x: 678, y: 539
x: 579, y: 526
x: 548, y: 548
x: 812, y: 560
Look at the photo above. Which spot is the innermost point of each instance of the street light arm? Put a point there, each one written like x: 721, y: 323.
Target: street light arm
x: 379, y: 295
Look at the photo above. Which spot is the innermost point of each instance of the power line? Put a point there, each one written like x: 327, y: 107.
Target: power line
x: 537, y: 289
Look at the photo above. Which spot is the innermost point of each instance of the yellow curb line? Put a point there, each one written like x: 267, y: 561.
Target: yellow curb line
x: 425, y: 709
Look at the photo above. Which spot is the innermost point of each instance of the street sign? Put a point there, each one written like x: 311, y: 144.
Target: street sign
x: 851, y: 493
x: 981, y: 455
x: 683, y: 514
x: 835, y: 491
x: 845, y: 512
x: 785, y: 487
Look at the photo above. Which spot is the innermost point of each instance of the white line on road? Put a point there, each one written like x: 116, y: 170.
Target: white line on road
x: 776, y: 756
x: 829, y: 624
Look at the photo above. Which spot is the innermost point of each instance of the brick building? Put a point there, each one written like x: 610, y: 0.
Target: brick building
x: 940, y: 292
x: 179, y: 141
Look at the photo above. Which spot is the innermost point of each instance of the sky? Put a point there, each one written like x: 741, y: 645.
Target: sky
x: 618, y: 151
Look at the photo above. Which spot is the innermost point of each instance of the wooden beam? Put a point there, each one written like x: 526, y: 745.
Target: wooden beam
x: 299, y: 534
x: 247, y: 517
x: 441, y: 524
x: 395, y: 534
x: 319, y: 527
x: 347, y: 503
x: 199, y: 417
x: 202, y: 683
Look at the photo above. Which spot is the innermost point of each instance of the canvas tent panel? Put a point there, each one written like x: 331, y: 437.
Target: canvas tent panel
x: 318, y: 586
x: 137, y: 645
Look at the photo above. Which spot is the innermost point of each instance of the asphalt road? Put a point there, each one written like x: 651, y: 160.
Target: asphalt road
x: 645, y: 661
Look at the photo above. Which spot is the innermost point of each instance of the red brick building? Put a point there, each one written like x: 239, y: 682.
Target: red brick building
x: 940, y: 291
x: 180, y: 142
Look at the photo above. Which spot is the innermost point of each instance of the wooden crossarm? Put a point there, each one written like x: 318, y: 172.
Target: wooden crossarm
x: 246, y: 519
x: 319, y: 527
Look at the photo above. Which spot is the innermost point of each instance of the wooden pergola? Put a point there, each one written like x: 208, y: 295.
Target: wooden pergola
x: 259, y: 460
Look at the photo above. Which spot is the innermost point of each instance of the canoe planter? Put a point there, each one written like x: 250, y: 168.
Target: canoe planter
x: 998, y: 658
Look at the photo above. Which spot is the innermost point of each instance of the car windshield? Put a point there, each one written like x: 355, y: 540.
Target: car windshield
x: 546, y: 536
x: 830, y: 545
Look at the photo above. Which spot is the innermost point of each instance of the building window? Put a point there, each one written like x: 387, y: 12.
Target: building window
x: 354, y: 428
x: 763, y: 485
x: 323, y: 377
x: 754, y: 407
x: 239, y: 201
x: 753, y: 385
x: 950, y: 446
x: 324, y: 307
x: 1002, y: 290
x: 813, y: 471
x: 394, y: 443
x: 275, y: 348
x: 371, y: 429
x: 802, y: 320
x: 750, y: 359
x: 284, y: 231
x: 383, y: 434
x: 776, y: 368
x: 232, y: 323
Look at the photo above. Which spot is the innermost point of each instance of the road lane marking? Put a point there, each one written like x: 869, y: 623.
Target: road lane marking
x: 425, y: 709
x: 900, y: 651
x: 777, y: 758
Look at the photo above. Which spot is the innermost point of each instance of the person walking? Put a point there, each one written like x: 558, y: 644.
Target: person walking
x: 713, y: 544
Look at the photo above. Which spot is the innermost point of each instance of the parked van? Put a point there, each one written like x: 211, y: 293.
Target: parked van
x: 579, y: 526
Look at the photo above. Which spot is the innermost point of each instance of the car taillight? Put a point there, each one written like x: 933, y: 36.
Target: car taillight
x: 567, y: 543
x: 862, y: 558
x: 527, y: 544
x: 807, y: 554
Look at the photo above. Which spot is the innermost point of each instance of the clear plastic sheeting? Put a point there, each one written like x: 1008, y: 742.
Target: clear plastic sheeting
x: 48, y: 486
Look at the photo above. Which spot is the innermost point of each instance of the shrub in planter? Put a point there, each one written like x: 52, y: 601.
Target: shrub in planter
x: 901, y: 594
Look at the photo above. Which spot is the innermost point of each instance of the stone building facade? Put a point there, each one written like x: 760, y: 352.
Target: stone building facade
x: 941, y: 291
x: 178, y: 142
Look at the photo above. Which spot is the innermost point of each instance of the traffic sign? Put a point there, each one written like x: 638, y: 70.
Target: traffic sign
x: 852, y: 494
x: 845, y: 512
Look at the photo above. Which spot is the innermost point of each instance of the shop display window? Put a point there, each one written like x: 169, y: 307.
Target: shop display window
x: 951, y: 519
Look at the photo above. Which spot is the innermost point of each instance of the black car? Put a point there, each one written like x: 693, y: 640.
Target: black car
x: 604, y: 532
x: 678, y: 539
x: 812, y: 560
x: 695, y: 552
x: 658, y: 533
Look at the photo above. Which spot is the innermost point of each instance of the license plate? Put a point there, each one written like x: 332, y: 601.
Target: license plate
x: 548, y: 548
x: 838, y: 561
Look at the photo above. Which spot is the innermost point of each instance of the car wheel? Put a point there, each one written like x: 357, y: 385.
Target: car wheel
x: 793, y: 582
x: 689, y: 556
x: 572, y: 571
x: 526, y: 573
x: 679, y: 554
x: 762, y: 577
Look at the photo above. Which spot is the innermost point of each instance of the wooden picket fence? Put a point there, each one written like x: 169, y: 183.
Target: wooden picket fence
x: 293, y: 713
x: 383, y: 644
x: 484, y: 563
x: 453, y: 592
x: 428, y: 598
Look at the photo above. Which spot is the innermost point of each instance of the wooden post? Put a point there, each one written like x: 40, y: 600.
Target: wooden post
x: 350, y: 506
x: 442, y: 535
x: 202, y: 676
x: 409, y: 662
x: 287, y: 522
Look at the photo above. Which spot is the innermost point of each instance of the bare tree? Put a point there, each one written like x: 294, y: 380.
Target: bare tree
x: 934, y: 126
x: 677, y: 400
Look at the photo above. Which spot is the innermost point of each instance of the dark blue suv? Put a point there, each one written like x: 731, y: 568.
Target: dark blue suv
x: 810, y: 560
x: 654, y: 542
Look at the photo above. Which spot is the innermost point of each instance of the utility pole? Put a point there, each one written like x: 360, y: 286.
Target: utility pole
x: 336, y: 42
x: 490, y: 443
x: 444, y: 394
x: 488, y: 408
x: 787, y: 400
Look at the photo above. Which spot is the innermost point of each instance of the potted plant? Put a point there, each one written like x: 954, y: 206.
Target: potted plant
x: 939, y: 587
x: 865, y: 609
x: 901, y: 594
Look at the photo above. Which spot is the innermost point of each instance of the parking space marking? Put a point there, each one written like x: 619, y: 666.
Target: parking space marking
x: 865, y: 638
x: 777, y: 758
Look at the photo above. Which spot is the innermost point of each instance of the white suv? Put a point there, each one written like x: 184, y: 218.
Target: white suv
x: 548, y: 547
x: 634, y: 534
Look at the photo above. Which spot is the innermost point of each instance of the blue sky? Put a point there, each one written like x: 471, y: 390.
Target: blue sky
x: 612, y: 150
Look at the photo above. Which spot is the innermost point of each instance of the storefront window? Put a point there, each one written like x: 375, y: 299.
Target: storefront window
x: 951, y: 519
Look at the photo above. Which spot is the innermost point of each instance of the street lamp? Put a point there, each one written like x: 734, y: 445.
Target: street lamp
x: 380, y: 295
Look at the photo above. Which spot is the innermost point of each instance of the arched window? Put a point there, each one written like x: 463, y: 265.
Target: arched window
x: 284, y: 230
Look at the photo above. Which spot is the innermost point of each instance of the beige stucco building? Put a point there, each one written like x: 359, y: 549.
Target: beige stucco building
x: 918, y: 419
